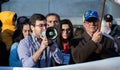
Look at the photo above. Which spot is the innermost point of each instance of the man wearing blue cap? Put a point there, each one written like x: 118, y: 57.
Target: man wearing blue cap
x: 92, y: 45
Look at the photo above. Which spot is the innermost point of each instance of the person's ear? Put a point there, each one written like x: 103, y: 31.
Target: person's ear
x: 83, y: 24
x: 32, y: 27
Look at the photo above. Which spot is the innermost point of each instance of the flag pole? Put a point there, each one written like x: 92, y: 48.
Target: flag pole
x: 102, y: 12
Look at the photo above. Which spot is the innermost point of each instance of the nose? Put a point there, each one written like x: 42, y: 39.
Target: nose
x: 53, y: 23
x: 66, y: 31
x: 44, y: 28
x: 28, y: 32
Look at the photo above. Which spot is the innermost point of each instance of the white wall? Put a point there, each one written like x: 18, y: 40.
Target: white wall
x: 105, y: 64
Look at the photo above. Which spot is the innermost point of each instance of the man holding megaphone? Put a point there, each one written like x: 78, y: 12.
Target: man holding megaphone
x: 34, y: 50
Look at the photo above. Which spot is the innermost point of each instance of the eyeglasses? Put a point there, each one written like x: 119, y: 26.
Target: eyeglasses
x: 41, y: 25
x: 94, y: 20
x: 67, y: 30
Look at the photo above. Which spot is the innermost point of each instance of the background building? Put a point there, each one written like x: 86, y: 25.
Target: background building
x: 71, y: 9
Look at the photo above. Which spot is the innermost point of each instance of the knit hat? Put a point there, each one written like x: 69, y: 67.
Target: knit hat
x: 108, y: 18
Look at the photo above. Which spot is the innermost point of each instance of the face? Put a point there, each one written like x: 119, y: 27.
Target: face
x: 65, y: 31
x: 109, y: 24
x: 26, y: 30
x: 91, y: 26
x: 52, y: 21
x: 38, y: 28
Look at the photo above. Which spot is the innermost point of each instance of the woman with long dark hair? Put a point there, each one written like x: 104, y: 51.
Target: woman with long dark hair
x: 23, y: 30
x: 65, y: 30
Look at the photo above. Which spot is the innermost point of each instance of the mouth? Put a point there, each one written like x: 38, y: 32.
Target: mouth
x: 93, y: 27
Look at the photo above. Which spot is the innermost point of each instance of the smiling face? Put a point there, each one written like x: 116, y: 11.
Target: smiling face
x: 91, y: 25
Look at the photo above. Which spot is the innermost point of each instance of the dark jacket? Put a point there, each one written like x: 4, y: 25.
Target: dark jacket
x: 83, y: 49
x: 3, y: 54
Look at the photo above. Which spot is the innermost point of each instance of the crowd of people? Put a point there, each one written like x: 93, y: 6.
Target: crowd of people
x: 22, y: 43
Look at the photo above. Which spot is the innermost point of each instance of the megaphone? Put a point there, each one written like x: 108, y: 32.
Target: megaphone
x: 50, y: 33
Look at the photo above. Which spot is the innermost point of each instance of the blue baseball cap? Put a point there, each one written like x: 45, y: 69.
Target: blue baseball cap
x: 89, y: 14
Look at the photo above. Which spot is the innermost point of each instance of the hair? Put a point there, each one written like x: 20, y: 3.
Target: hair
x: 0, y: 26
x: 0, y: 23
x: 18, y: 35
x: 59, y: 38
x: 15, y: 17
x: 78, y: 31
x: 53, y: 14
x: 21, y: 21
x: 35, y: 17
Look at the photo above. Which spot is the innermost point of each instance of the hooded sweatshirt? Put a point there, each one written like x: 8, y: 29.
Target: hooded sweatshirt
x: 7, y: 28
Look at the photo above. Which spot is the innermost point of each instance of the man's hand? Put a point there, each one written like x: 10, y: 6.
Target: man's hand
x: 97, y: 36
x: 44, y: 43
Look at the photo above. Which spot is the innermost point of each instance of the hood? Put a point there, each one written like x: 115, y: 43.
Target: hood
x: 7, y: 20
